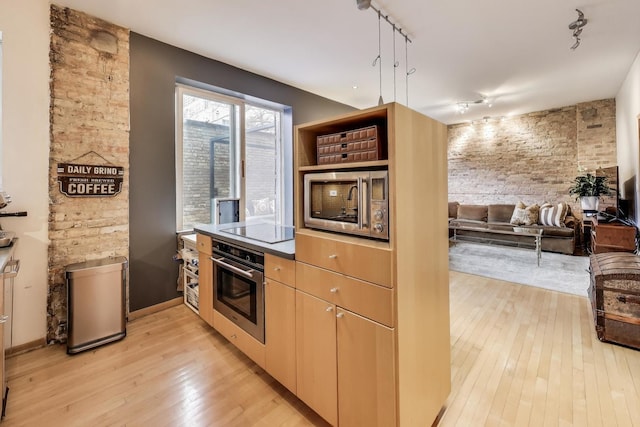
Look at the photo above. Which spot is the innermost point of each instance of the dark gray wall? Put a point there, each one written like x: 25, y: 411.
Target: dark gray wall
x: 152, y: 212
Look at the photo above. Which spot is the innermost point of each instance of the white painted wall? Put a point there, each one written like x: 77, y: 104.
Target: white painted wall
x: 627, y: 138
x: 25, y: 155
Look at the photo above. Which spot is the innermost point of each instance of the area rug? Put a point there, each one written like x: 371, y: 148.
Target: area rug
x: 557, y: 272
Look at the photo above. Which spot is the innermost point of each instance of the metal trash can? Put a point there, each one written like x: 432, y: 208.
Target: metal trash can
x: 96, y: 312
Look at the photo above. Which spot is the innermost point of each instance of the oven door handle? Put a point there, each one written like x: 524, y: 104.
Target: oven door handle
x: 245, y: 273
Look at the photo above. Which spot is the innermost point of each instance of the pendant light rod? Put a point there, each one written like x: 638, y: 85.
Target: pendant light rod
x: 380, y: 101
x: 395, y: 63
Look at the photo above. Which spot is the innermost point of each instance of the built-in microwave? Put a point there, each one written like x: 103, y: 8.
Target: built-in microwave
x: 348, y: 202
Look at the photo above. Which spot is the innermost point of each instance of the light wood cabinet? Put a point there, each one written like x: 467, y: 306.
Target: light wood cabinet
x: 370, y: 300
x: 316, y: 358
x: 346, y: 370
x: 346, y: 255
x: 394, y: 375
x: 281, y: 269
x: 366, y: 371
x: 254, y: 349
x: 280, y: 332
x: 205, y: 277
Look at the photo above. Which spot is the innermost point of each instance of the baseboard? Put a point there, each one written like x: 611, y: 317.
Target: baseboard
x: 23, y: 348
x: 155, y: 308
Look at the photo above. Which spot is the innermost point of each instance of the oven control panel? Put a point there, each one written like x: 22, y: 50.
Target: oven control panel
x: 238, y: 253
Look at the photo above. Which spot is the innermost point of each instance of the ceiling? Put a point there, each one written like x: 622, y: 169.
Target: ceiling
x: 515, y: 53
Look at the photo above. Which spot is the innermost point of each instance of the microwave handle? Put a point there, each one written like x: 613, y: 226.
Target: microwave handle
x: 363, y: 203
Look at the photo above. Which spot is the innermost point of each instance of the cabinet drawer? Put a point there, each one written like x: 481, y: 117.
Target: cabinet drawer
x: 203, y: 243
x: 280, y: 269
x: 245, y: 342
x: 366, y: 299
x: 364, y: 261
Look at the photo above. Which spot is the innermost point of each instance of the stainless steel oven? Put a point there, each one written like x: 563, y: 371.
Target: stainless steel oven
x: 238, y: 286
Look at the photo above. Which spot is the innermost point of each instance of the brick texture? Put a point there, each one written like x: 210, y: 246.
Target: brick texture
x: 532, y: 157
x: 89, y: 119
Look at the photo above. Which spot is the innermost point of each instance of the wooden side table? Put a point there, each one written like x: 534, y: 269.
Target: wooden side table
x: 612, y: 237
x: 586, y: 226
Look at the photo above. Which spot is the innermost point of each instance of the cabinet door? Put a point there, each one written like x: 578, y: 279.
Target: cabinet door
x: 316, y: 355
x: 205, y: 297
x: 366, y: 372
x: 280, y: 333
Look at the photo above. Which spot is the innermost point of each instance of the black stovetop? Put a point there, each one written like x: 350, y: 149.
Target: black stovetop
x: 268, y: 233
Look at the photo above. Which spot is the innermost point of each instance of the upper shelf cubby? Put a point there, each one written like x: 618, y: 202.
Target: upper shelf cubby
x: 307, y: 138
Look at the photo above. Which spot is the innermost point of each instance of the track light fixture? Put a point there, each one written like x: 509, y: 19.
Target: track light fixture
x: 463, y: 106
x: 366, y: 4
x: 576, y: 26
x: 363, y: 4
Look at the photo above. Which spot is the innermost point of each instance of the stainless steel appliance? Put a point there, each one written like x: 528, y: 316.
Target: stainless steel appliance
x: 96, y: 311
x: 238, y: 286
x: 348, y: 202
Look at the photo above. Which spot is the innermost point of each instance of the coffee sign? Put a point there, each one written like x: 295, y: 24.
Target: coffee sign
x: 78, y: 180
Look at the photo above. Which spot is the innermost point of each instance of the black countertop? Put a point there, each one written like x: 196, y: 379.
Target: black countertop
x: 286, y: 249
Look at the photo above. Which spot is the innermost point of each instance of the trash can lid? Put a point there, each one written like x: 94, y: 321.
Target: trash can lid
x: 96, y: 263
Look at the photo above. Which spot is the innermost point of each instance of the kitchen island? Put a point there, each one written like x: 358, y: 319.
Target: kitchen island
x: 247, y: 291
x: 357, y: 328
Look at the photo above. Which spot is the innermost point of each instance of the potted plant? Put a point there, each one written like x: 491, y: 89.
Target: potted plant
x: 588, y: 188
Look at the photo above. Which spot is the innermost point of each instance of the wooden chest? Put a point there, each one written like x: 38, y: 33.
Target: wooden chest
x: 615, y: 297
x: 358, y: 145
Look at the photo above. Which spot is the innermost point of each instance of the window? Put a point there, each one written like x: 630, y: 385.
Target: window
x: 231, y: 147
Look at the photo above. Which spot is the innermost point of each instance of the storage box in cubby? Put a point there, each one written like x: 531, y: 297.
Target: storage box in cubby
x: 358, y: 145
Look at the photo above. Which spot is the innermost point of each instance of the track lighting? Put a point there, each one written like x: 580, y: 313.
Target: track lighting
x: 366, y: 4
x: 463, y: 106
x: 363, y: 4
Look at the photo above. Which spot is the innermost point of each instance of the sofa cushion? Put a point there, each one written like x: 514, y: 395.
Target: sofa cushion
x: 453, y: 209
x: 500, y: 213
x: 472, y: 212
x: 553, y: 215
x: 468, y: 223
x: 548, y: 231
x: 525, y: 215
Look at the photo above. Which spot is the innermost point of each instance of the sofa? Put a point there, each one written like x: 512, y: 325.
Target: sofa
x: 559, y: 227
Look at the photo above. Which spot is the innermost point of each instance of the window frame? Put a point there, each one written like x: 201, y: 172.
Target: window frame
x: 284, y: 153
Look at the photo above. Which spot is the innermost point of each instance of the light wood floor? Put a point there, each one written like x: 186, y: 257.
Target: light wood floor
x: 520, y: 356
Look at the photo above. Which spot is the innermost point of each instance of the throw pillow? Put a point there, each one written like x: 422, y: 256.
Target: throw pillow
x: 525, y: 215
x: 553, y: 215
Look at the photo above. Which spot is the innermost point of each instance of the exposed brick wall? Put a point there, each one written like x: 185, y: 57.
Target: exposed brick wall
x: 596, y: 132
x: 89, y: 119
x: 532, y: 157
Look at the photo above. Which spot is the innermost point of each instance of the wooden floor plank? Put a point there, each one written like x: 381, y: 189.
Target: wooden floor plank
x: 521, y: 356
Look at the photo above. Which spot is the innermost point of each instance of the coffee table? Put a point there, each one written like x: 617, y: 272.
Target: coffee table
x: 496, y: 232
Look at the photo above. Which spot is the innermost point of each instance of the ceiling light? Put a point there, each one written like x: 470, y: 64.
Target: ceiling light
x: 576, y: 26
x: 463, y: 106
x: 363, y: 4
x: 366, y: 4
